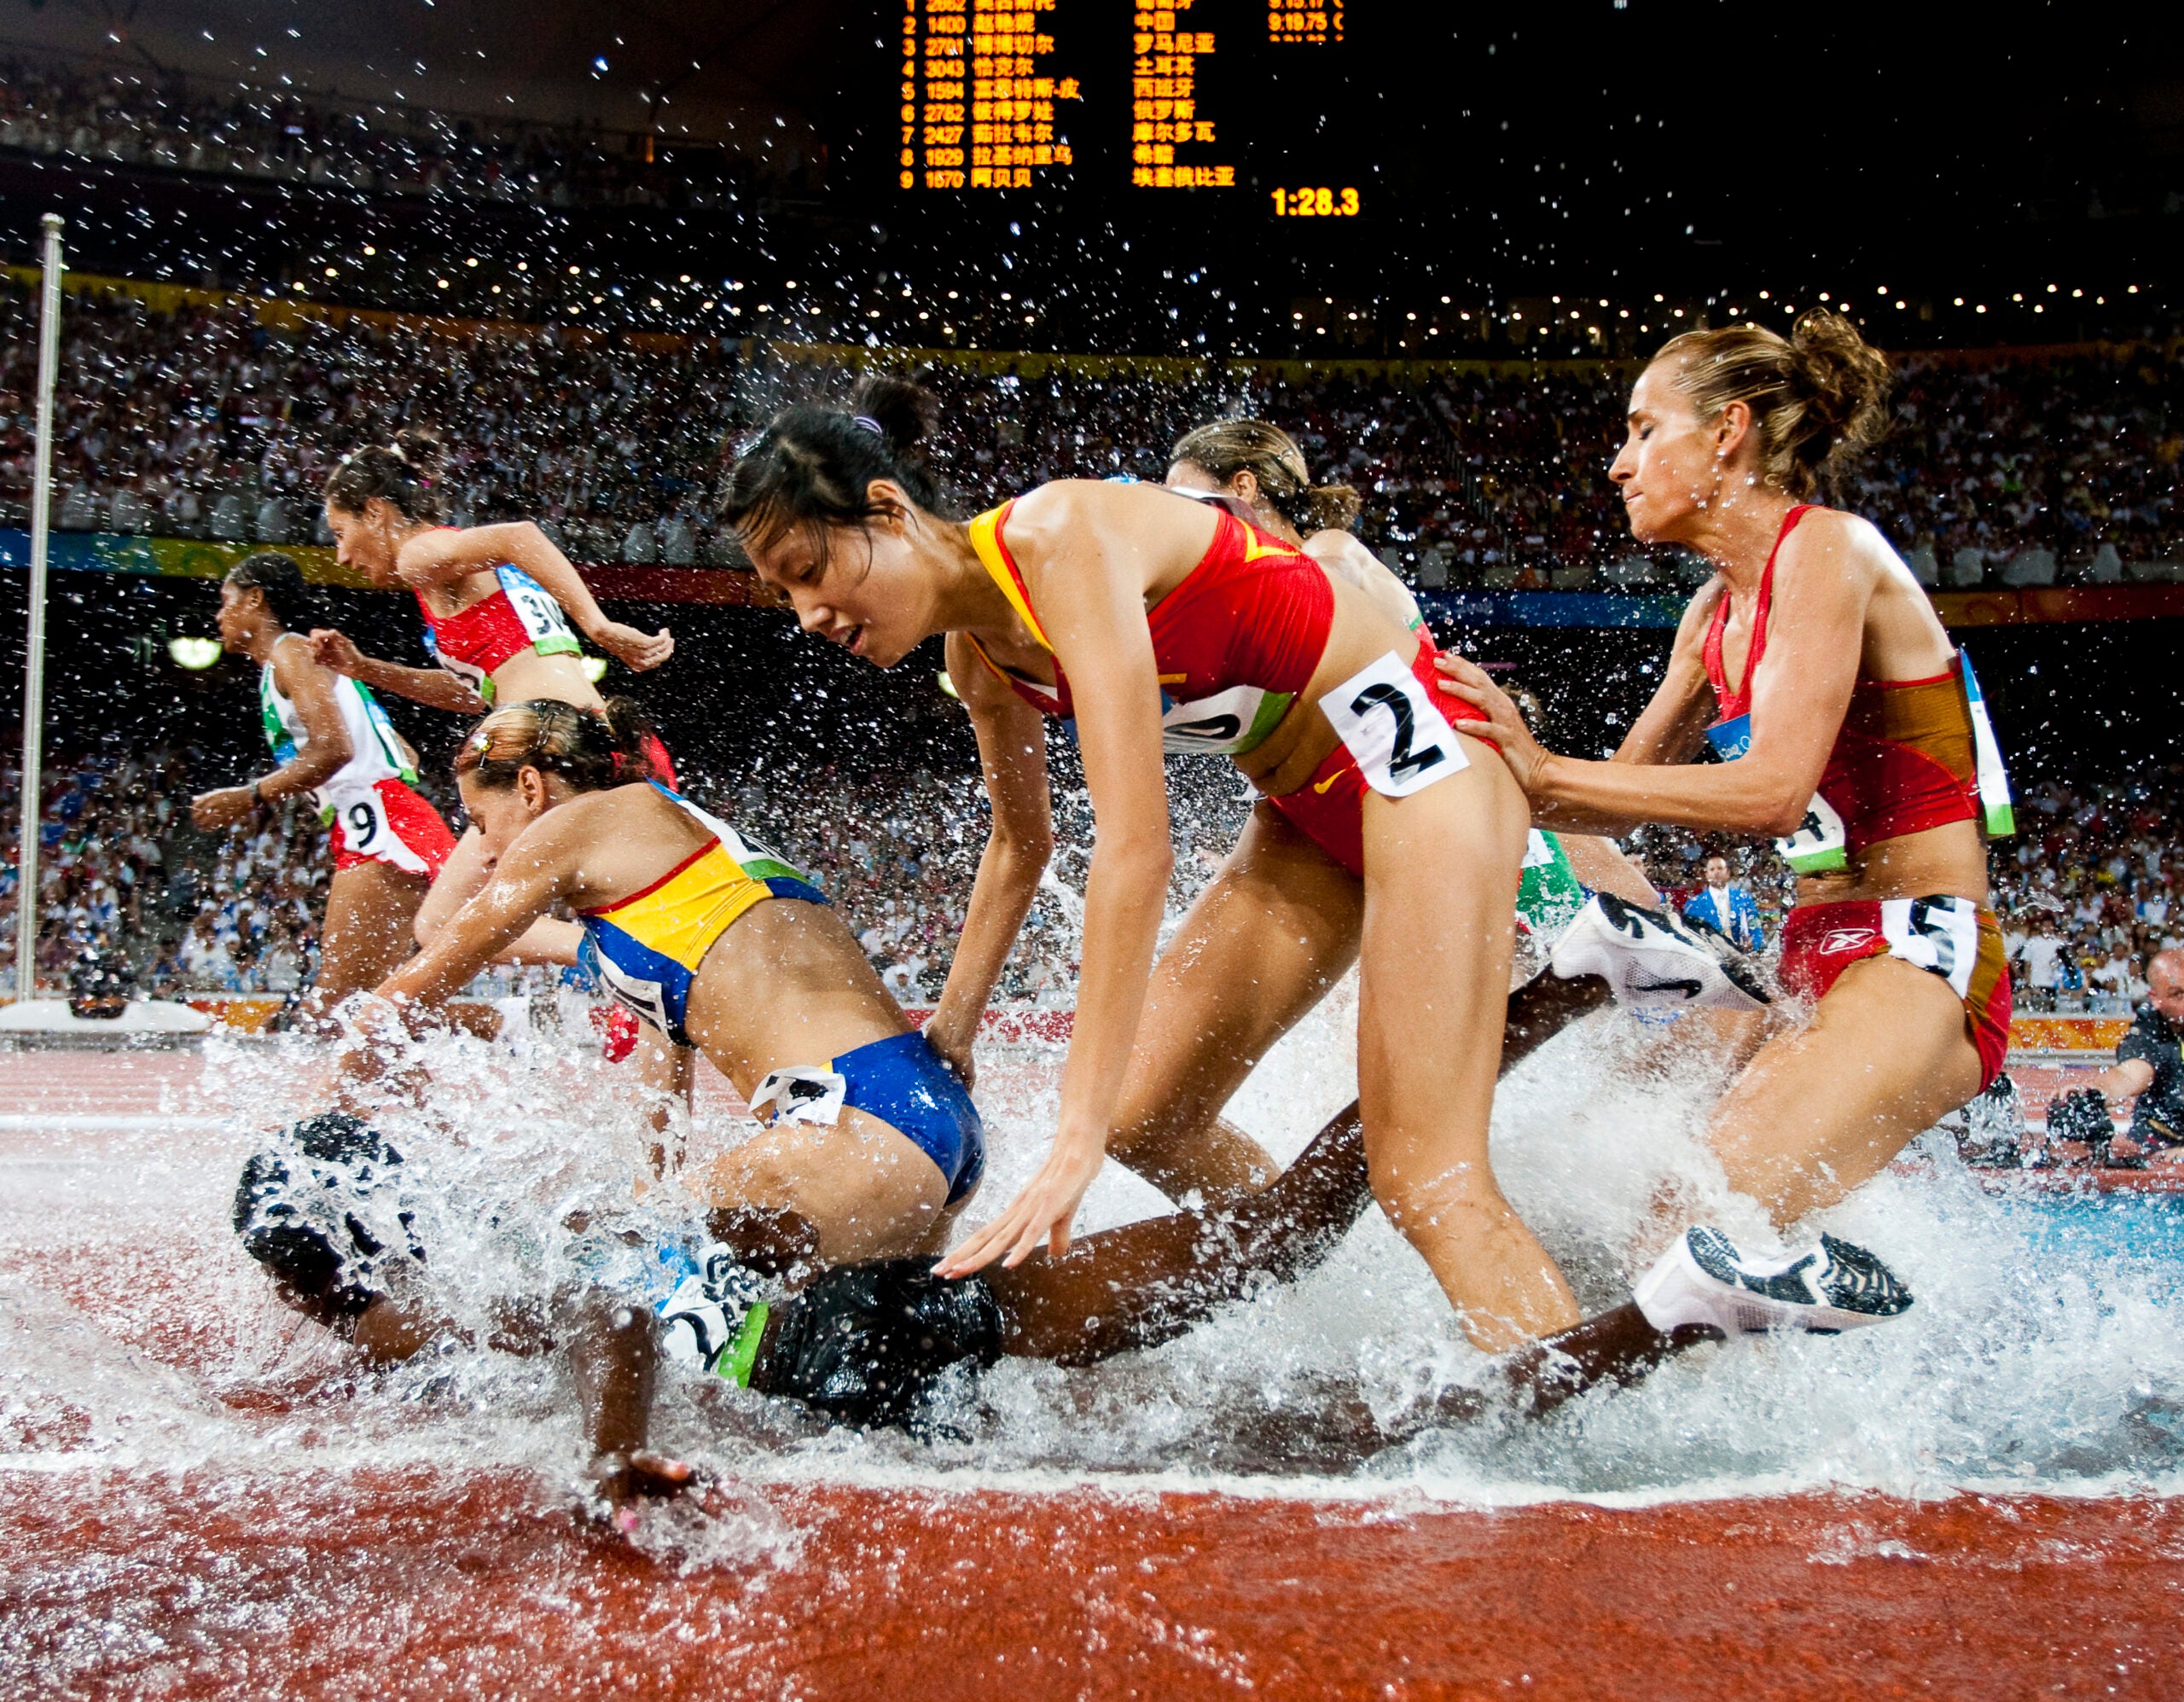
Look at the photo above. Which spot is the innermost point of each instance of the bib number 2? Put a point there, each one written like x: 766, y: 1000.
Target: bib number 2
x: 1401, y: 739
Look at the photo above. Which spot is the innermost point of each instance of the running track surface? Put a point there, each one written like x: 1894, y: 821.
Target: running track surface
x: 441, y: 1583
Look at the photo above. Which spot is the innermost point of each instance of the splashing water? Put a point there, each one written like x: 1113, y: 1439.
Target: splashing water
x: 2042, y: 1353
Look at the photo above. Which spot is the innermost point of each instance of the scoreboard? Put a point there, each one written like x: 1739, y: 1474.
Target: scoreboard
x: 1247, y: 100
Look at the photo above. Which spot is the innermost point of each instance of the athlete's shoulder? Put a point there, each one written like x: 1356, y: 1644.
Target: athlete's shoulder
x: 1845, y: 540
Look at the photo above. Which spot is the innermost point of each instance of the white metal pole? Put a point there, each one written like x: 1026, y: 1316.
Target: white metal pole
x: 49, y: 364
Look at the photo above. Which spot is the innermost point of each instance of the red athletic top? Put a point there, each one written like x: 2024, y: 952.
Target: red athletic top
x: 520, y: 615
x: 1234, y: 643
x: 1903, y: 759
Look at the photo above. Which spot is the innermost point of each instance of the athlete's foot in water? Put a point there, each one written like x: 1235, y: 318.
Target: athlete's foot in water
x: 1655, y: 961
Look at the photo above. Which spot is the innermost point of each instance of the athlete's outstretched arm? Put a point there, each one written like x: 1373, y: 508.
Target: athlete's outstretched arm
x: 434, y: 687
x: 443, y: 556
x: 532, y: 874
x: 1013, y: 758
x: 325, y: 749
x: 1147, y: 1282
x: 1801, y: 689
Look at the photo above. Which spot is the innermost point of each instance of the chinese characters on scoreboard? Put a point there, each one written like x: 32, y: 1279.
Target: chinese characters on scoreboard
x: 979, y: 92
x: 977, y: 112
x: 1164, y: 104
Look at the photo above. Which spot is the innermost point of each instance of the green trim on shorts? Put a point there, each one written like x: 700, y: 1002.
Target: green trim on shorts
x: 743, y: 1352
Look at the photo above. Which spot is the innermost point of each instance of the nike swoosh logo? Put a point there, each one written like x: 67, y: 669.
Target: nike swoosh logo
x: 1321, y: 786
x: 1690, y: 989
x: 1253, y: 549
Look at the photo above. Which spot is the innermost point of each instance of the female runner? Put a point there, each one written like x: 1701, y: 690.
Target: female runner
x: 334, y: 742
x: 1816, y: 667
x: 720, y: 947
x: 496, y: 600
x: 1264, y: 468
x: 1156, y: 622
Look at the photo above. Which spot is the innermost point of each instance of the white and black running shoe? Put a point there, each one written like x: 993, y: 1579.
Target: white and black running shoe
x: 701, y: 1318
x: 1825, y: 1290
x: 1656, y: 961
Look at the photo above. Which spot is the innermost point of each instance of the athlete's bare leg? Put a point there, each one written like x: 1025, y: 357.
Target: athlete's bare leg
x: 366, y: 934
x: 1440, y: 899
x: 857, y: 1190
x: 1267, y: 939
x: 1601, y: 865
x: 1824, y: 1108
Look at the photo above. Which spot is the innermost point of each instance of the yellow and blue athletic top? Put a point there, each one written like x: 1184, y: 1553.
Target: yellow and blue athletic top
x: 647, y: 946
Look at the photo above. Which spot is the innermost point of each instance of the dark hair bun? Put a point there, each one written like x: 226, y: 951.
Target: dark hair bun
x: 904, y: 410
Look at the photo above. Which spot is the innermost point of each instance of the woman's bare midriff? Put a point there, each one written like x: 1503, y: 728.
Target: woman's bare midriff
x: 1945, y: 860
x: 1364, y: 630
x: 780, y: 988
x: 528, y: 675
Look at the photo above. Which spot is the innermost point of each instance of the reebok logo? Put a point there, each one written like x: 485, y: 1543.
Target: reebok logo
x: 1839, y: 940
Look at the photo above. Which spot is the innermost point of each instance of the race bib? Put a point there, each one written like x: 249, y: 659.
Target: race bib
x: 543, y: 623
x: 800, y: 1093
x: 1995, y: 805
x: 475, y: 677
x: 361, y: 817
x: 646, y: 1000
x: 1820, y: 841
x: 1939, y: 934
x: 1226, y: 724
x: 1398, y: 735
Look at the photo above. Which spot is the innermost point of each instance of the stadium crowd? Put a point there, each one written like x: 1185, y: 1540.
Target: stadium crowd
x: 152, y: 120
x: 2089, y: 889
x: 122, y: 867
x: 203, y: 421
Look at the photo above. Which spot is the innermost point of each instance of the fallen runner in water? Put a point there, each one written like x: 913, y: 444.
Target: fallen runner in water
x: 867, y: 1343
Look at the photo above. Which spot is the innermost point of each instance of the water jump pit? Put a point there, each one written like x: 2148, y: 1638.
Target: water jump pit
x: 201, y: 1495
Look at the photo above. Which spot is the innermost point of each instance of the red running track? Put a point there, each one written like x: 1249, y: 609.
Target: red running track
x: 427, y: 1583
x: 426, y: 1586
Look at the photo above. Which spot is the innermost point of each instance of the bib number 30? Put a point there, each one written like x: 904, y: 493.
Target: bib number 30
x: 1402, y: 740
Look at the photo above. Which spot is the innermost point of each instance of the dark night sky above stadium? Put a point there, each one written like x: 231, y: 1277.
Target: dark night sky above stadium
x: 1594, y: 147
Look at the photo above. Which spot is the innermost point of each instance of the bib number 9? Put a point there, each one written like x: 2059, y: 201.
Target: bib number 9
x: 362, y: 825
x: 1402, y: 740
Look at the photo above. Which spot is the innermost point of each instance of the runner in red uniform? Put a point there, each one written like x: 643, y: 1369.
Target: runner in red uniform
x: 1854, y: 730
x: 1157, y: 622
x: 498, y: 603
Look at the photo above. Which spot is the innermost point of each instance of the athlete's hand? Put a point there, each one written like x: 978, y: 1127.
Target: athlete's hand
x: 642, y: 650
x: 335, y: 649
x: 1493, y: 714
x: 221, y: 808
x: 1042, y: 1213
x: 954, y: 1050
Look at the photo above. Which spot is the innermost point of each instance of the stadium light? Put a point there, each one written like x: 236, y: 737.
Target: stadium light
x: 195, y: 654
x: 595, y: 669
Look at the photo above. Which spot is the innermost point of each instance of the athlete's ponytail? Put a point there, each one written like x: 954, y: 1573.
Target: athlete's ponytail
x: 814, y: 466
x: 1817, y: 396
x: 592, y: 749
x: 276, y: 578
x: 1228, y: 447
x: 406, y: 472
